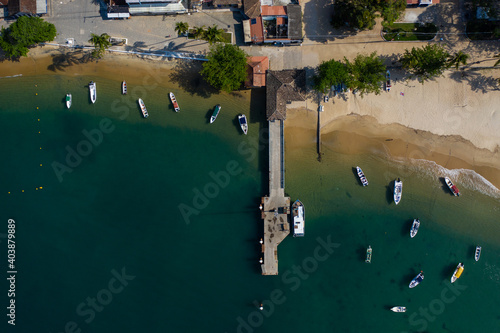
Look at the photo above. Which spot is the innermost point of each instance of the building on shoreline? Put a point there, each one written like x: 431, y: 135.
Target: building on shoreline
x: 122, y: 8
x: 17, y: 8
x: 256, y: 72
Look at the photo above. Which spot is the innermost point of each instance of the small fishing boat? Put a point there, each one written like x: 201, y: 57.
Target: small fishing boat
x: 417, y: 280
x: 369, y: 251
x: 93, y: 91
x: 398, y: 309
x: 414, y: 227
x: 68, y: 100
x: 124, y: 88
x: 215, y: 114
x: 242, y: 119
x: 299, y: 215
x: 452, y: 187
x: 388, y: 81
x: 458, y: 272
x: 143, y: 108
x: 321, y: 108
x: 361, y: 176
x: 326, y: 98
x: 398, y: 191
x: 477, y: 255
x: 174, y: 102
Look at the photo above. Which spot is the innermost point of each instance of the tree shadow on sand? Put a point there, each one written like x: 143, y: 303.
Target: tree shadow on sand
x: 477, y: 81
x: 63, y: 60
x: 187, y: 75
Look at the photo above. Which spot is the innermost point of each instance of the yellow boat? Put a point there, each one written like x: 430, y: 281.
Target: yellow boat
x: 458, y: 272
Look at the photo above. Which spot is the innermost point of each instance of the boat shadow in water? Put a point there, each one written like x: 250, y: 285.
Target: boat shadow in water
x: 471, y: 252
x: 389, y: 193
x: 361, y: 253
x: 209, y: 113
x: 407, y: 278
x: 406, y: 227
x: 447, y: 271
x: 236, y: 124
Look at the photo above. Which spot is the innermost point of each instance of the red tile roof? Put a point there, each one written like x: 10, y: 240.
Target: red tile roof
x: 256, y: 70
x: 273, y: 10
x: 257, y: 30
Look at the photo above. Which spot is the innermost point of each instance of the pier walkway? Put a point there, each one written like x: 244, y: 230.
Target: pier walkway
x: 275, y: 207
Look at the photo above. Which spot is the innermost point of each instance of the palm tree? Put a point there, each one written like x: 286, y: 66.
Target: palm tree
x: 101, y: 43
x: 199, y: 32
x: 457, y: 59
x: 213, y: 35
x: 181, y: 28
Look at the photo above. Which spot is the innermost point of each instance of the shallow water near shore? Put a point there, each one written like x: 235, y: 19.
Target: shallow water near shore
x: 107, y: 249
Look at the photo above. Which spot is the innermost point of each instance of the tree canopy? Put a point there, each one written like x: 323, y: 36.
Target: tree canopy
x: 181, y: 27
x: 426, y: 62
x: 367, y: 73
x: 364, y: 74
x: 331, y: 73
x: 360, y: 14
x: 25, y: 32
x: 101, y: 43
x: 226, y: 68
x: 459, y: 58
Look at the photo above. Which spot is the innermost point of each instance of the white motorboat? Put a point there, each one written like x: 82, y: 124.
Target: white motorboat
x: 398, y: 191
x: 68, y: 100
x: 477, y: 255
x: 369, y: 252
x: 93, y: 91
x: 414, y: 227
x: 124, y: 88
x: 144, y: 111
x: 361, y: 176
x: 415, y: 282
x: 398, y: 309
x: 215, y: 113
x: 242, y: 119
x: 299, y: 216
x: 174, y: 102
x: 452, y: 187
x: 458, y: 272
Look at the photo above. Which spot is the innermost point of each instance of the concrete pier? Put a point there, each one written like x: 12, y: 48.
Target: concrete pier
x: 275, y: 207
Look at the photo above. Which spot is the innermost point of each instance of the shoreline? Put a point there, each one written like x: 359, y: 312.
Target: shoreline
x: 384, y: 124
x: 357, y: 134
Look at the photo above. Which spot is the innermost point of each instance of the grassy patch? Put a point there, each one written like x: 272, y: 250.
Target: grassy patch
x: 225, y: 35
x: 483, y: 30
x: 409, y: 31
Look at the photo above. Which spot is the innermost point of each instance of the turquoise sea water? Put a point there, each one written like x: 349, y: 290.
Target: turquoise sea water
x: 105, y: 247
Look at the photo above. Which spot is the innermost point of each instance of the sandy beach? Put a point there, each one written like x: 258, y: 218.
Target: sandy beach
x: 446, y: 121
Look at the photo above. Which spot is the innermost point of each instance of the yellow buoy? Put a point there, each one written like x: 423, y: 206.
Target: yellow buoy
x: 8, y: 192
x: 41, y: 187
x: 37, y: 107
x: 38, y: 119
x: 40, y: 165
x: 36, y: 94
x: 22, y: 190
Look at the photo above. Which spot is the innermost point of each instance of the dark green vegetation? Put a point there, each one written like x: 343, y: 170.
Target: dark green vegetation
x: 483, y: 30
x: 101, y: 43
x: 212, y: 35
x: 360, y: 14
x: 430, y: 61
x: 181, y: 28
x: 331, y: 73
x: 409, y: 31
x: 25, y: 32
x: 365, y: 74
x: 226, y: 68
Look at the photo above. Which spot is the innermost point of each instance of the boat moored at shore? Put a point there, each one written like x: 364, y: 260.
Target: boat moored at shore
x: 458, y: 272
x: 215, y: 113
x: 69, y: 99
x: 144, y: 111
x: 398, y: 309
x: 299, y: 216
x: 242, y: 119
x: 361, y: 176
x: 93, y: 91
x: 416, y: 281
x: 414, y: 228
x: 124, y: 88
x: 477, y: 255
x: 452, y: 187
x: 398, y: 190
x: 174, y: 102
x: 388, y: 84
